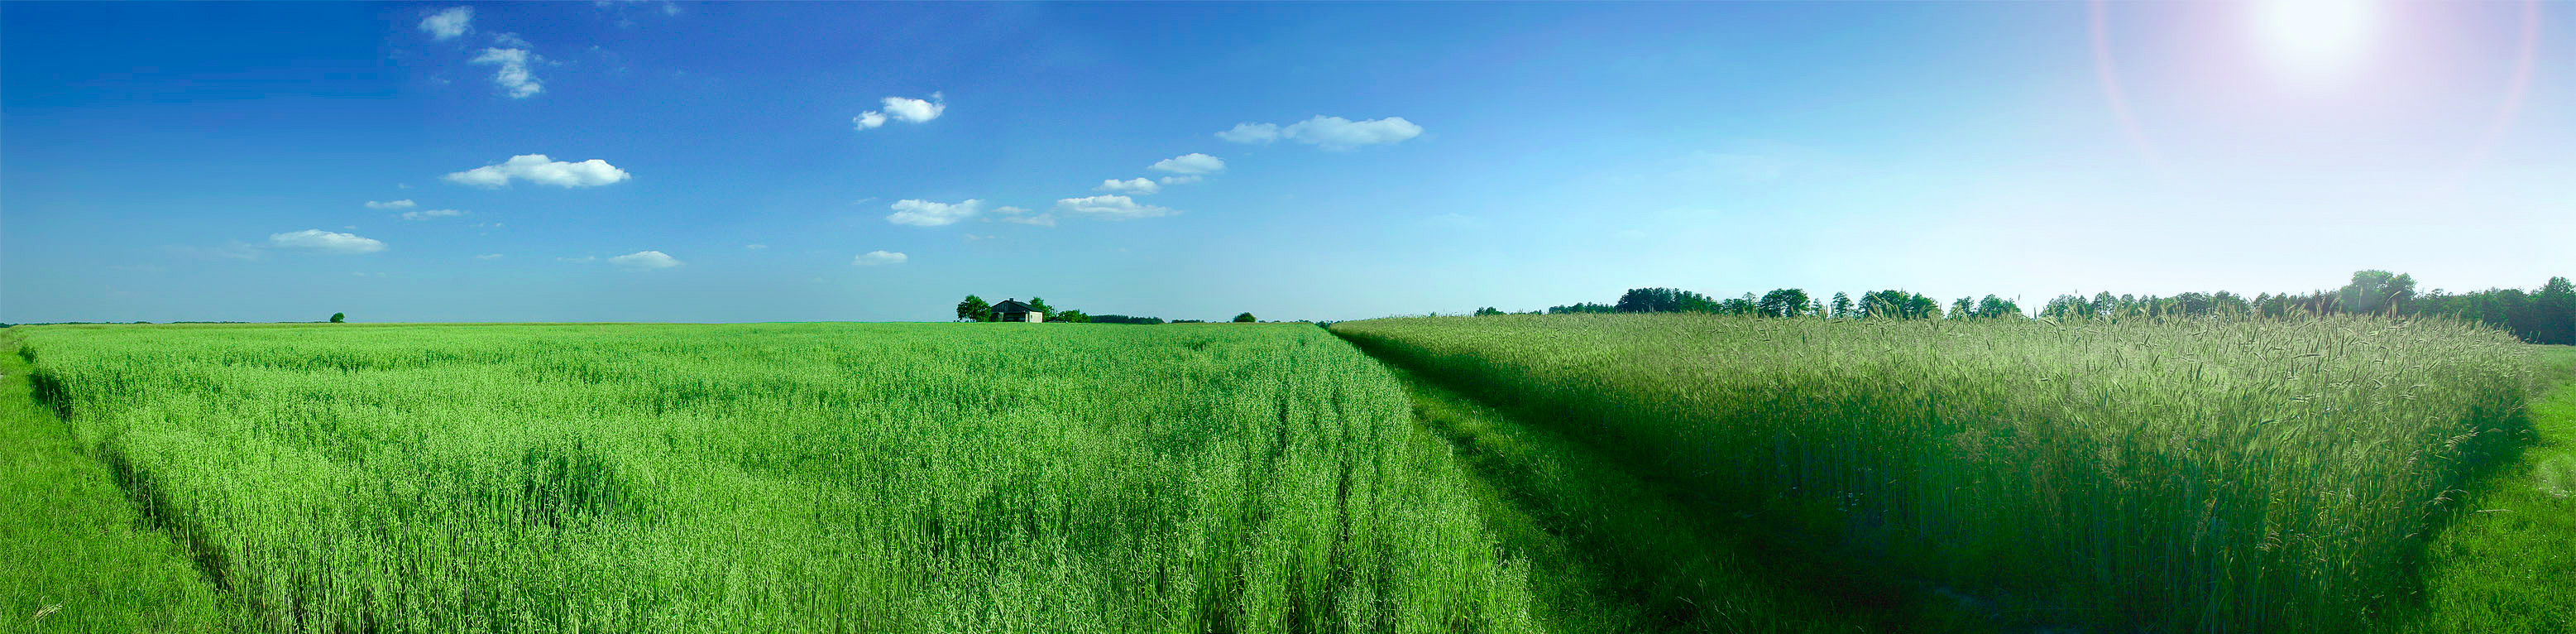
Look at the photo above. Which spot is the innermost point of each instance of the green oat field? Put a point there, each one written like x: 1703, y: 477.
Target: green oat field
x: 775, y: 478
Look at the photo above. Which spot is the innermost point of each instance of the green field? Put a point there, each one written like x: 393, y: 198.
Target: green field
x: 931, y: 478
x: 1575, y: 473
x: 2188, y: 475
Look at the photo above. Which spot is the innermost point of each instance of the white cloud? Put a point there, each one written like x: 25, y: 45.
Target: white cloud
x: 1111, y: 207
x: 754, y: 247
x: 579, y: 260
x: 448, y: 23
x: 1251, y: 133
x: 398, y: 204
x: 426, y: 214
x: 511, y: 40
x: 1336, y: 133
x: 873, y: 258
x: 513, y: 76
x: 903, y: 109
x: 536, y: 168
x: 1192, y: 163
x: 923, y: 213
x: 324, y: 241
x: 645, y: 260
x: 1012, y: 214
x: 488, y: 256
x: 1136, y: 186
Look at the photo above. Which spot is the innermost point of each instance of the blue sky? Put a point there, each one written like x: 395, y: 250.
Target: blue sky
x: 170, y: 161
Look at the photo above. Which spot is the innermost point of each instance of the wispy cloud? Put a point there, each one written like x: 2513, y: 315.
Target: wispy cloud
x: 645, y: 261
x: 536, y: 168
x: 321, y: 241
x: 448, y: 23
x: 426, y: 214
x: 923, y: 213
x: 1111, y: 208
x: 1331, y: 133
x: 754, y: 247
x: 1136, y: 186
x: 875, y: 258
x: 513, y: 76
x: 1192, y: 163
x: 1182, y: 180
x: 397, y: 204
x: 1019, y: 215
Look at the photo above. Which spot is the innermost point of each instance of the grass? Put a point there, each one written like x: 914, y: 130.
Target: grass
x: 2160, y: 475
x: 76, y: 557
x: 1619, y: 554
x: 785, y: 478
x: 2508, y: 560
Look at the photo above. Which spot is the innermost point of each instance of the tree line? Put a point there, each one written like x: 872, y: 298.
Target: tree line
x: 2543, y: 315
x: 974, y: 308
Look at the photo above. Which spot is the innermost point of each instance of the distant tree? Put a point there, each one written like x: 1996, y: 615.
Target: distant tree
x: 1663, y: 300
x: 2226, y: 303
x: 1187, y: 321
x: 1993, y: 307
x: 1842, y: 305
x: 1123, y: 319
x: 1582, y: 308
x: 974, y: 309
x: 1245, y: 318
x: 1488, y: 310
x: 1040, y: 305
x: 339, y: 318
x: 1894, y: 304
x: 1964, y: 308
x: 1786, y: 302
x: 2374, y: 291
x: 1070, y: 316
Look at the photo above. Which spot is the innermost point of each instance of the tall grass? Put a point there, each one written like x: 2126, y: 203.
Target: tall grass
x: 789, y: 478
x: 2175, y: 475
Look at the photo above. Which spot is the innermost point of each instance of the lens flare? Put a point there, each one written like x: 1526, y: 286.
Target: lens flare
x: 2315, y: 41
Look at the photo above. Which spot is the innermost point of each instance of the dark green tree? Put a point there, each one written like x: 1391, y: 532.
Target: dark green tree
x: 1245, y: 318
x: 1786, y: 302
x: 1842, y: 305
x: 974, y: 309
x: 339, y: 318
x: 2374, y: 291
x: 1488, y: 311
x: 1070, y: 316
x: 1040, y: 305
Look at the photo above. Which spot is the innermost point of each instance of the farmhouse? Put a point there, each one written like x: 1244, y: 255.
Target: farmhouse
x: 1013, y: 310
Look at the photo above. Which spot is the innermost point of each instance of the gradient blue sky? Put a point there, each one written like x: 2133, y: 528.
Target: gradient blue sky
x: 187, y: 161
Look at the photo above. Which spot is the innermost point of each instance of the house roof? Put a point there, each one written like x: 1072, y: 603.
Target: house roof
x: 1012, y: 306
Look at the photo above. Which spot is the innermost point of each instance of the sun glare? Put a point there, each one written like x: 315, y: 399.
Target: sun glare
x: 2315, y: 41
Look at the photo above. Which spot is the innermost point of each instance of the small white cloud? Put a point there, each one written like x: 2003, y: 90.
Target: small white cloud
x: 511, y: 40
x: 1192, y: 163
x: 972, y: 237
x: 754, y: 247
x: 448, y: 23
x: 1014, y: 214
x: 645, y: 260
x: 1183, y: 180
x: 1136, y: 186
x: 1111, y: 207
x: 325, y: 242
x: 873, y: 258
x: 536, y: 168
x: 426, y: 214
x: 1336, y: 133
x: 488, y: 256
x: 579, y: 260
x: 1251, y: 133
x: 513, y: 75
x: 923, y: 213
x: 905, y: 109
x: 398, y: 204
